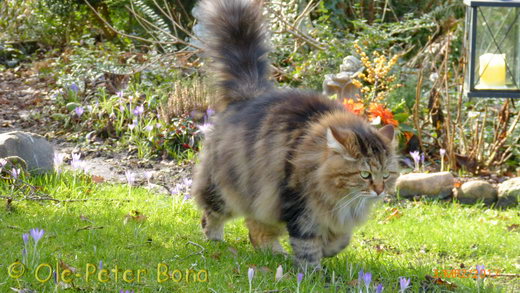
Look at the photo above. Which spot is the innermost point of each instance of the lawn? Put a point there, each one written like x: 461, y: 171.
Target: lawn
x: 122, y: 238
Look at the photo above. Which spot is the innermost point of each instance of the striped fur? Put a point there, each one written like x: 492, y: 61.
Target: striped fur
x: 286, y: 160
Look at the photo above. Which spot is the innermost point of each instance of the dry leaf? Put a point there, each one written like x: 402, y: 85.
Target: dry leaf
x: 233, y: 250
x: 353, y: 283
x: 395, y: 214
x: 89, y: 227
x: 135, y: 216
x: 440, y: 282
x: 84, y: 218
x: 380, y: 247
x: 97, y: 179
x: 513, y: 227
x: 265, y: 269
x: 65, y: 266
x: 457, y: 184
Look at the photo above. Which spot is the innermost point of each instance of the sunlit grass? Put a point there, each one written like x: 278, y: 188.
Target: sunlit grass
x: 140, y: 230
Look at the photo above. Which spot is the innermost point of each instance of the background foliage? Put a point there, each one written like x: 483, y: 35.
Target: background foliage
x: 147, y: 49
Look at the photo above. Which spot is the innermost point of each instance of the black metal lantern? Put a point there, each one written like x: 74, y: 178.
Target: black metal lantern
x: 493, y: 48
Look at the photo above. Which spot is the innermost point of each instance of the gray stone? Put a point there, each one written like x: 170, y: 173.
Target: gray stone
x: 473, y: 191
x: 509, y: 193
x: 430, y: 184
x: 34, y: 149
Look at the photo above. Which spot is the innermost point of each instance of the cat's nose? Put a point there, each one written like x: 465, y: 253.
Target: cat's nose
x: 378, y: 188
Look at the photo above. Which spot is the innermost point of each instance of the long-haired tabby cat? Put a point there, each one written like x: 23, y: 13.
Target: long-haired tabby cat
x: 285, y: 159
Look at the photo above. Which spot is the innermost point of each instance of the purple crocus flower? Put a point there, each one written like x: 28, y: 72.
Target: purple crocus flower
x: 404, y: 283
x: 361, y: 274
x: 76, y: 156
x: 148, y: 175
x: 422, y: 159
x: 133, y: 125
x: 177, y: 189
x: 379, y: 288
x: 158, y: 125
x: 205, y: 128
x: 76, y: 163
x: 299, y: 278
x: 139, y: 110
x: 480, y: 269
x: 443, y: 153
x: 127, y: 291
x: 149, y: 128
x: 250, y: 275
x: 367, y: 278
x: 119, y: 94
x: 121, y: 108
x: 210, y: 112
x: 74, y: 87
x: 15, y: 173
x: 79, y: 111
x: 3, y: 162
x: 416, y: 158
x: 100, y: 266
x: 25, y: 238
x: 279, y: 273
x: 58, y: 159
x: 187, y: 182
x: 37, y: 234
x: 187, y: 196
x: 130, y: 177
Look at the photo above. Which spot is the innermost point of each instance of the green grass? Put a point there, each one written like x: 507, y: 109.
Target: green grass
x: 427, y: 236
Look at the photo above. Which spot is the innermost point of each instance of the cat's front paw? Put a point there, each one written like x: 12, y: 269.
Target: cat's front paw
x: 307, y: 266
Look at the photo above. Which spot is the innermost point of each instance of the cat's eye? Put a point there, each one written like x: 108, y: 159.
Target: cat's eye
x: 386, y: 175
x: 364, y: 174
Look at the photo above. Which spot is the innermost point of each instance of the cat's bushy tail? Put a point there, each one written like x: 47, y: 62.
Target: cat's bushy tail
x: 235, y: 40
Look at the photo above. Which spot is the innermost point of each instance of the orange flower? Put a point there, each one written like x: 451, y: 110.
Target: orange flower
x: 354, y: 106
x: 408, y: 135
x: 378, y: 110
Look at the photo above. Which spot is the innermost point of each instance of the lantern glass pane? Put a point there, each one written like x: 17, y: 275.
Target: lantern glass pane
x: 467, y: 45
x: 497, y: 48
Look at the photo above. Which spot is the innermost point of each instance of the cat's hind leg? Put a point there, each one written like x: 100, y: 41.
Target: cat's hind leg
x: 264, y: 236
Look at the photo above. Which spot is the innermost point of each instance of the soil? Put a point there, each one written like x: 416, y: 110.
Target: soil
x: 26, y: 105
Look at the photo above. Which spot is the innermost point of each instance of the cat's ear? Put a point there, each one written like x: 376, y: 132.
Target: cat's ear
x: 342, y: 142
x: 387, y: 132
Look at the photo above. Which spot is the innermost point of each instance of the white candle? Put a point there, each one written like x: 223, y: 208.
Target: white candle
x: 492, y: 70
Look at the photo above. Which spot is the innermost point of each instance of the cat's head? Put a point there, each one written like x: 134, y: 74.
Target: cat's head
x: 359, y: 161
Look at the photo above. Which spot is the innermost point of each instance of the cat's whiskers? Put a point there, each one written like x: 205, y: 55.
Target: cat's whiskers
x: 360, y: 205
x: 345, y: 201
